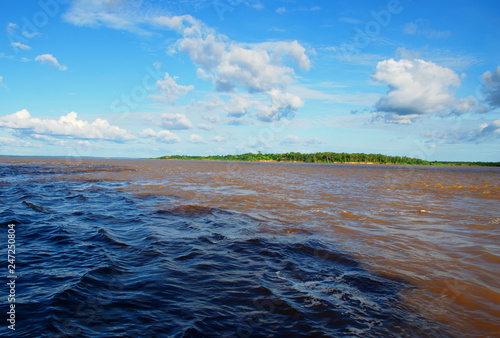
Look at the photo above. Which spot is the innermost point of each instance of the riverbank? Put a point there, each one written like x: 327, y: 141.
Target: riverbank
x: 334, y: 158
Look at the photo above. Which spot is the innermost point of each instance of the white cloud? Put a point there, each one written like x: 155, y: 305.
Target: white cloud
x: 252, y: 69
x: 200, y: 73
x: 7, y: 141
x: 315, y: 8
x: 283, y: 49
x: 283, y: 105
x: 258, y: 68
x: 416, y: 88
x: 491, y: 87
x: 213, y: 102
x: 173, y: 121
x: 116, y: 14
x: 164, y: 136
x: 422, y: 27
x: 184, y: 24
x: 169, y: 91
x: 490, y: 130
x: 50, y: 60
x: 239, y: 106
x: 205, y: 126
x: 20, y: 46
x: 486, y: 132
x: 31, y: 35
x: 196, y: 139
x: 219, y: 139
x: 11, y: 27
x: 469, y: 104
x: 1, y: 82
x: 65, y: 127
x: 206, y: 52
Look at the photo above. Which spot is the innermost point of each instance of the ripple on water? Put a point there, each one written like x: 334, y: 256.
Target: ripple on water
x: 97, y: 259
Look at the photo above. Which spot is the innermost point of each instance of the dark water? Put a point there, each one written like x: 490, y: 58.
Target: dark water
x: 186, y: 249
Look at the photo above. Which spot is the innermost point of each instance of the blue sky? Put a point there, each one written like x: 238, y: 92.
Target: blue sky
x: 127, y: 78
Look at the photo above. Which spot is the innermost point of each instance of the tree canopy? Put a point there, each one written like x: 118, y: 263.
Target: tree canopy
x: 323, y: 157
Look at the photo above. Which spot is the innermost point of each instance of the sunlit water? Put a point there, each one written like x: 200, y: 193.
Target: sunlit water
x: 198, y: 248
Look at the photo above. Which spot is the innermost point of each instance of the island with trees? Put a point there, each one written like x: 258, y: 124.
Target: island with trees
x: 325, y: 157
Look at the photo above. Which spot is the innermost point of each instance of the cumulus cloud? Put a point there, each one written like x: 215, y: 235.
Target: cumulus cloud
x: 173, y: 121
x: 283, y: 105
x: 283, y: 49
x: 67, y: 126
x: 20, y: 46
x: 252, y: 69
x: 280, y: 105
x: 239, y: 106
x: 256, y: 69
x: 416, y: 88
x: 206, y: 52
x: 164, y: 136
x: 169, y: 91
x: 491, y: 88
x: 231, y: 66
x: 50, y: 60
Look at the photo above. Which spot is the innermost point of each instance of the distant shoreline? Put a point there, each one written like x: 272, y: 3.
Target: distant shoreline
x: 334, y: 158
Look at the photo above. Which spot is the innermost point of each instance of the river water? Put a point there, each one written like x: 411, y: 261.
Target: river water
x: 117, y: 247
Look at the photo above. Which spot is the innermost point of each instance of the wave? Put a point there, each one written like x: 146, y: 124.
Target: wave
x: 97, y: 260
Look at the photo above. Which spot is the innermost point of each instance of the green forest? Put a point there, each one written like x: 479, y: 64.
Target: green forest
x: 325, y: 157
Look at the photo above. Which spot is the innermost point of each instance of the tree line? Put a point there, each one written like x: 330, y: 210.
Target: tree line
x: 324, y: 157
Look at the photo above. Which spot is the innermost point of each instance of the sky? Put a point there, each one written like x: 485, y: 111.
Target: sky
x: 142, y: 79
